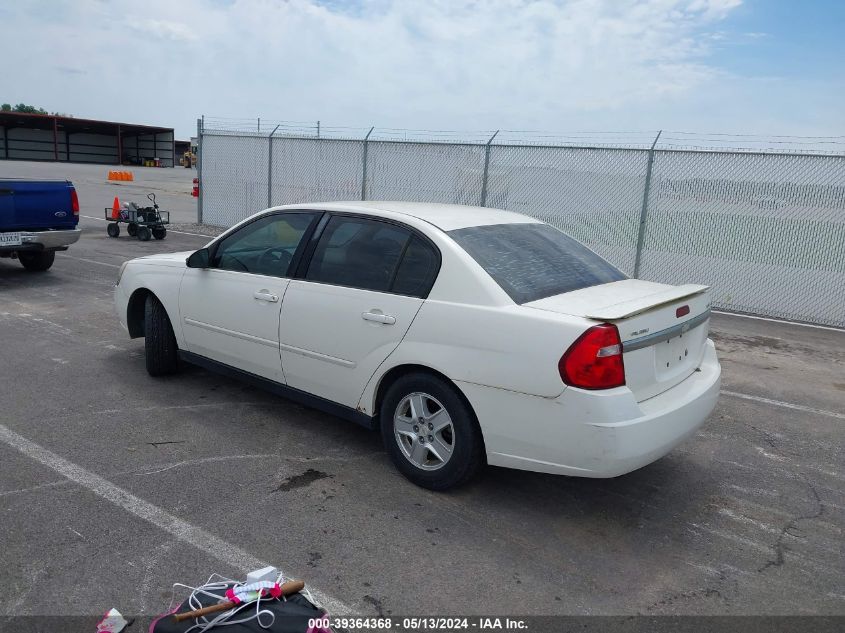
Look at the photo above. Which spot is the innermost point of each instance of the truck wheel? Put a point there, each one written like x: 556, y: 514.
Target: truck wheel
x: 113, y: 229
x: 132, y: 229
x: 159, y: 342
x: 430, y: 433
x: 144, y: 233
x: 38, y: 261
x: 159, y: 232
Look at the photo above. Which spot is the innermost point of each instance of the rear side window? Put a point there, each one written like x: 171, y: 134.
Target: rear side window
x: 534, y: 261
x: 373, y: 255
x: 417, y: 270
x: 358, y: 253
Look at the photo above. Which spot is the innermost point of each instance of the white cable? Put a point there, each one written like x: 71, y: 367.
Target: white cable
x: 224, y: 619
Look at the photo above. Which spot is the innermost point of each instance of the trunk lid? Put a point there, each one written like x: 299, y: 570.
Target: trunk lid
x: 663, y: 328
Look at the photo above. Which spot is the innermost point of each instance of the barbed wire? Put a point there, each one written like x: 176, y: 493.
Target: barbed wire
x: 626, y: 139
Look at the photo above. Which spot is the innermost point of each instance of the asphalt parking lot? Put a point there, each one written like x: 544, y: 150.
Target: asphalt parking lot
x: 115, y: 485
x: 172, y: 187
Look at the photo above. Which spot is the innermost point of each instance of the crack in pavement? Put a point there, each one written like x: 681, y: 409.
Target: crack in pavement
x: 780, y: 547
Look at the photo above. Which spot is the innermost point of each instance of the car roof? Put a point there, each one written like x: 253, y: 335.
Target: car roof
x: 446, y: 217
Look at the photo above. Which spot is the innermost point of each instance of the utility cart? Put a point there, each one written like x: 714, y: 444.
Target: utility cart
x: 143, y: 222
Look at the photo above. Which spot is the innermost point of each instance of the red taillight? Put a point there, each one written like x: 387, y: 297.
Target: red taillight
x: 682, y: 311
x: 74, y: 201
x: 594, y: 361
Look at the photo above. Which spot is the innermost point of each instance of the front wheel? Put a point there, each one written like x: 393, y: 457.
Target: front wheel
x: 159, y: 342
x: 38, y: 261
x: 430, y: 433
x: 159, y: 232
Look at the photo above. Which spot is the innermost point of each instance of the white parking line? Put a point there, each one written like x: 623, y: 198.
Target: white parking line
x: 208, y: 237
x: 771, y: 320
x: 214, y: 546
x: 90, y: 261
x: 786, y: 405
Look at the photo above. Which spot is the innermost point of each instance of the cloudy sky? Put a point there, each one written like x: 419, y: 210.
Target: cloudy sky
x: 752, y: 66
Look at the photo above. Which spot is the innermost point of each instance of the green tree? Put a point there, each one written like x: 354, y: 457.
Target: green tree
x: 29, y: 109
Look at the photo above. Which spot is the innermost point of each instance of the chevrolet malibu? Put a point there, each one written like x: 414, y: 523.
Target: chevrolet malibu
x: 464, y: 335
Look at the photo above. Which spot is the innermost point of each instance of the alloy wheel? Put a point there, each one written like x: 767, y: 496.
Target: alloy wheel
x: 424, y: 431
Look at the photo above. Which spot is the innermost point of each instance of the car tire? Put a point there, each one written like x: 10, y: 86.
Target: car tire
x: 132, y: 229
x: 144, y: 233
x: 38, y: 261
x: 159, y: 232
x: 159, y: 341
x: 113, y: 229
x: 422, y: 461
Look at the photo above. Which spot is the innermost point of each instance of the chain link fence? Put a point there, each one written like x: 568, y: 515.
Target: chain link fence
x: 766, y: 229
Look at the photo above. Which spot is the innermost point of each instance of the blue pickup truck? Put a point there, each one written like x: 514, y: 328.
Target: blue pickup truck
x: 37, y: 218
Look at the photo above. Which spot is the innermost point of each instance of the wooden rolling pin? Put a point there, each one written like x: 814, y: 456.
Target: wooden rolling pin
x: 288, y: 588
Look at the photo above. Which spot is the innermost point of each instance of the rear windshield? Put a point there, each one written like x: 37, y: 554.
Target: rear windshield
x: 534, y: 261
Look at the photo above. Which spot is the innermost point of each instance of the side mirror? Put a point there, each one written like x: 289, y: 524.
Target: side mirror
x: 199, y: 259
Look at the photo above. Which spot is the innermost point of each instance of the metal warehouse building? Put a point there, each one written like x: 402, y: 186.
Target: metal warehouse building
x: 68, y: 139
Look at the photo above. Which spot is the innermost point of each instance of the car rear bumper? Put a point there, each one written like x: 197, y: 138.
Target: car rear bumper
x: 44, y: 240
x: 593, y: 434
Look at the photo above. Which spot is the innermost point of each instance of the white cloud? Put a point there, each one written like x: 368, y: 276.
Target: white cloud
x: 162, y: 29
x: 544, y: 64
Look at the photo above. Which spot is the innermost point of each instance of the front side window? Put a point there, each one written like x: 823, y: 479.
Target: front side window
x: 264, y: 247
x: 373, y: 255
x: 534, y: 261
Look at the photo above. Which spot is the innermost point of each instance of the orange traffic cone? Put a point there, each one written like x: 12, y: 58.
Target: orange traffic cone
x: 115, y: 209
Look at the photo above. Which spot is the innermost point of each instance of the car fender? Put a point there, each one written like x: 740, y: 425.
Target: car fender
x: 163, y: 282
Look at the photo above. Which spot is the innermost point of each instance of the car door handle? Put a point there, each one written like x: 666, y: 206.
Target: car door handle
x: 378, y: 317
x: 263, y: 295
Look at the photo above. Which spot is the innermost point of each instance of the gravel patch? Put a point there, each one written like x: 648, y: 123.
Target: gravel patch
x: 201, y: 229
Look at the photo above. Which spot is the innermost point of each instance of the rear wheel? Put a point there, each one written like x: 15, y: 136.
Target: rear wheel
x: 159, y: 342
x: 430, y: 433
x: 38, y: 261
x: 113, y: 229
x: 159, y: 232
x: 132, y: 229
x: 144, y: 233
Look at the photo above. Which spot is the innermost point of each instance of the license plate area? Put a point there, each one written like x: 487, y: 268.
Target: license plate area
x: 10, y: 239
x: 674, y: 355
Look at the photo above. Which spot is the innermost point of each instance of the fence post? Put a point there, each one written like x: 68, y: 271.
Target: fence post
x: 364, y: 172
x: 199, y: 168
x: 270, y: 167
x: 644, y: 210
x: 486, y: 170
x: 318, y: 129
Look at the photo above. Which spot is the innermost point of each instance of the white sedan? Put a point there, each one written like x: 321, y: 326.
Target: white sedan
x: 465, y: 335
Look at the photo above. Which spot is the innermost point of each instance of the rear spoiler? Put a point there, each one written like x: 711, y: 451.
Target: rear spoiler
x: 625, y: 309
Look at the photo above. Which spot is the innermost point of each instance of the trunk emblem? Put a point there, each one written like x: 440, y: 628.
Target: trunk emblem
x: 60, y: 214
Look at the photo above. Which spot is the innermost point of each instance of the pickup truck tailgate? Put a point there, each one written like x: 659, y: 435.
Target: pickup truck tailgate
x: 36, y: 205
